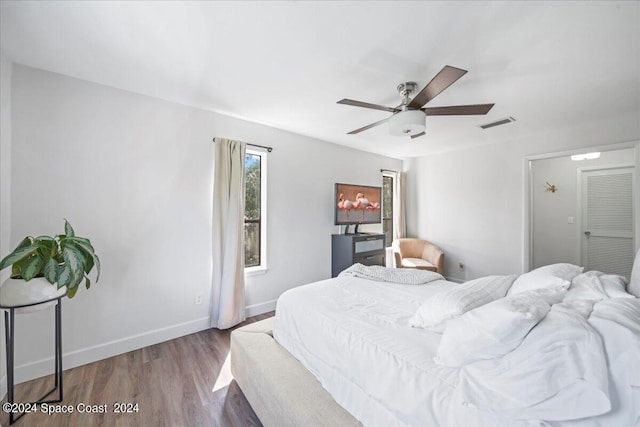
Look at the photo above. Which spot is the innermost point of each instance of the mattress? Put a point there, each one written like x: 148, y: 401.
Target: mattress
x: 362, y: 324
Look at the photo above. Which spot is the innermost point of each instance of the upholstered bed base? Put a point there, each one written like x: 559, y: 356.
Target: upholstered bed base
x: 280, y: 390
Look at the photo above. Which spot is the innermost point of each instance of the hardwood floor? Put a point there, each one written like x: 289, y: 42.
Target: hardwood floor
x: 182, y: 382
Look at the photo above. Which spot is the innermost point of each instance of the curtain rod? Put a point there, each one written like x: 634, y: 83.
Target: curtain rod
x: 269, y: 149
x: 388, y: 170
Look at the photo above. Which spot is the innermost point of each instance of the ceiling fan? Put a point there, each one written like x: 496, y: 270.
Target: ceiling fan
x: 408, y: 118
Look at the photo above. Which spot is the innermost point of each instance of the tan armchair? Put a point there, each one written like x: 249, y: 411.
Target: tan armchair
x: 417, y: 253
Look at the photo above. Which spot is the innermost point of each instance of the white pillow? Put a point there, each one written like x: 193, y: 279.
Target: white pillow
x: 634, y: 283
x: 615, y: 286
x: 586, y: 286
x: 535, y: 278
x: 494, y: 329
x: 595, y: 286
x: 459, y: 299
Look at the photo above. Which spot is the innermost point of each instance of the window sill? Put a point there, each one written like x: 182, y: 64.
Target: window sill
x: 255, y: 271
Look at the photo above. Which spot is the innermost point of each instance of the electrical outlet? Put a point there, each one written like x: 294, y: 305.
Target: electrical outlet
x: 199, y: 299
x: 461, y: 265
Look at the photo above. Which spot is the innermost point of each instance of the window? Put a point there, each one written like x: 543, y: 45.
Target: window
x: 387, y: 208
x: 255, y: 163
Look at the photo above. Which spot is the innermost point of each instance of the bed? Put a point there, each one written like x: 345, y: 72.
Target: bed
x: 341, y: 352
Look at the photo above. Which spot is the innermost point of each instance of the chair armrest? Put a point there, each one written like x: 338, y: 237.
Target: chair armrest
x: 434, y: 255
x: 395, y: 245
x: 398, y: 258
x: 439, y: 262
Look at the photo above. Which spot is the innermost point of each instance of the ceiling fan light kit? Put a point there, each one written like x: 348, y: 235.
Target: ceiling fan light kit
x: 408, y: 119
x: 407, y: 123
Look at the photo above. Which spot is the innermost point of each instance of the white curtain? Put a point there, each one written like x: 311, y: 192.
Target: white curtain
x: 399, y: 226
x: 228, y: 305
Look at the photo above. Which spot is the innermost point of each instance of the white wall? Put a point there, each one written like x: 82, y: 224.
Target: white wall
x: 554, y: 239
x: 5, y: 189
x: 637, y: 206
x: 473, y: 203
x: 134, y: 174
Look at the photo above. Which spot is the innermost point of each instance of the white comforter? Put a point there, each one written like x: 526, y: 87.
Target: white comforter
x: 559, y: 372
x: 352, y: 334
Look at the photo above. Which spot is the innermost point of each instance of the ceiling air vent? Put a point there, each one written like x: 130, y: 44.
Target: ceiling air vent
x: 498, y: 123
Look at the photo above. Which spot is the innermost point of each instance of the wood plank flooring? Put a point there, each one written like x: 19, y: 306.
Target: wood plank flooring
x: 182, y: 382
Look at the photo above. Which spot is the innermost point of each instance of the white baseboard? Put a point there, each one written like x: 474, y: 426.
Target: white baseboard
x: 263, y: 307
x: 40, y: 368
x: 81, y: 357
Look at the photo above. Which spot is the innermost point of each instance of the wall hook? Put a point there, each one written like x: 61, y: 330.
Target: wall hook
x: 551, y: 187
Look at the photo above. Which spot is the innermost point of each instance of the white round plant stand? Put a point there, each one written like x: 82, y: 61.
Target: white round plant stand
x: 20, y: 297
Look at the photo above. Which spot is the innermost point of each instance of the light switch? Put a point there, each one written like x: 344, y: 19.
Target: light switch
x: 570, y: 220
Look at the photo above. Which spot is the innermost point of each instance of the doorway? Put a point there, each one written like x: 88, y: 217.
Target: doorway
x: 556, y: 220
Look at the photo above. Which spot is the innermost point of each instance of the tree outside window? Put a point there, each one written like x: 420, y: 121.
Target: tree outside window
x: 252, y: 209
x: 387, y: 208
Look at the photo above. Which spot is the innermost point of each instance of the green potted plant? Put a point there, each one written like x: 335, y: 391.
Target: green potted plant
x: 63, y: 260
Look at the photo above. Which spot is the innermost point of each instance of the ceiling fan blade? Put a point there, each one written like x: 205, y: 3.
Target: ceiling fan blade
x: 458, y: 110
x: 367, y: 105
x: 362, y: 129
x: 418, y: 135
x: 445, y: 78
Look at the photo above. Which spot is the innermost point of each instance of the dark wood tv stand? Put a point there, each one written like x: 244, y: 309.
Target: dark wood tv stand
x: 363, y: 248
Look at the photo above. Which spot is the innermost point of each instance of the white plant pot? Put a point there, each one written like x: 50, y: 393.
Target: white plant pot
x: 17, y: 292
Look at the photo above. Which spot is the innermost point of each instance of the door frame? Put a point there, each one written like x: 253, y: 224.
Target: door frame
x: 527, y: 253
x: 580, y: 207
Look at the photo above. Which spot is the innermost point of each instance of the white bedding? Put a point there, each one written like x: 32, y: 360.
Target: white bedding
x: 544, y: 378
x: 352, y: 334
x: 361, y: 324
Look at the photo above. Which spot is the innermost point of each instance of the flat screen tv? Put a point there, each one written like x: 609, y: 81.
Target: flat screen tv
x: 357, y: 204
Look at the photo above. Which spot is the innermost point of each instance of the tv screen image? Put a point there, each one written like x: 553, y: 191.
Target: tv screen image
x: 358, y: 204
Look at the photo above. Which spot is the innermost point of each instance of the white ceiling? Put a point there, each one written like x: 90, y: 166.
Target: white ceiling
x: 285, y: 64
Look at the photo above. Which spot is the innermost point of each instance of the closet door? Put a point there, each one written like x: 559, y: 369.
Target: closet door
x: 607, y: 220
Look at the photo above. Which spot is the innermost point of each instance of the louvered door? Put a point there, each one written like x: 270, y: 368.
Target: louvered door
x: 607, y: 212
